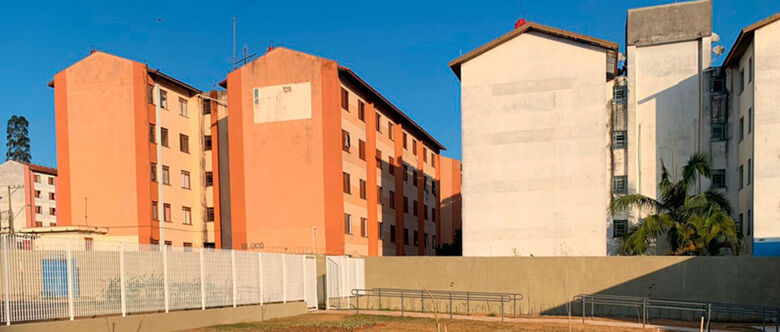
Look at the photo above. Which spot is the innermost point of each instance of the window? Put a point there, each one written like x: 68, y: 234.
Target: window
x: 37, y: 194
x: 361, y: 111
x: 379, y: 228
x: 425, y: 212
x: 619, y: 228
x: 363, y: 227
x: 185, y: 179
x: 425, y: 155
x: 425, y: 239
x: 186, y: 215
x: 392, y: 233
x: 37, y: 178
x: 433, y: 214
x: 378, y: 158
x: 51, y: 196
x: 347, y: 224
x: 154, y: 172
x: 433, y: 160
x: 406, y: 173
x: 206, y: 106
x: 347, y: 188
x: 379, y: 194
x: 164, y: 136
x: 425, y: 184
x: 741, y: 128
x: 390, y: 131
x: 740, y: 222
x: 182, y: 107
x: 433, y: 187
x: 390, y: 167
x: 406, y: 236
x: 406, y: 204
x: 749, y: 222
x: 209, y: 214
x: 416, y: 240
x: 187, y: 246
x: 163, y: 99
x: 52, y: 211
x: 362, y: 189
x: 378, y: 123
x: 150, y: 94
x: 719, y: 178
x: 414, y: 178
x: 404, y: 140
x: 433, y: 241
x: 345, y: 99
x: 155, y: 214
x: 619, y: 94
x: 741, y: 177
x: 38, y: 209
x: 619, y: 185
x: 392, y: 199
x: 741, y: 81
x: 750, y: 172
x: 184, y: 143
x: 166, y: 175
x: 209, y: 178
x: 414, y: 208
x: 345, y: 140
x: 151, y: 134
x: 51, y: 180
x: 750, y: 120
x: 361, y: 149
x: 414, y: 146
x: 718, y: 131
x: 38, y: 224
x: 167, y: 212
x: 619, y: 139
x: 750, y: 71
x: 207, y: 142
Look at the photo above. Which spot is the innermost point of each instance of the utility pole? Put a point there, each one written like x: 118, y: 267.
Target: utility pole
x: 10, y: 208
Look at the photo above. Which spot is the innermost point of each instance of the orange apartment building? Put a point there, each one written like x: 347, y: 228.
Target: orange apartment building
x: 321, y: 162
x: 136, y: 153
x: 451, y: 203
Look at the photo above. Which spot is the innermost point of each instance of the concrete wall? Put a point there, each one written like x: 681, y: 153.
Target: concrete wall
x: 534, y: 147
x: 548, y: 283
x: 172, y: 321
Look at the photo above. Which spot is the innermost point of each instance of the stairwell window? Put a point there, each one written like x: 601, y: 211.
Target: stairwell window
x: 619, y: 228
x: 209, y: 178
x: 719, y: 178
x: 150, y: 94
x: 163, y: 99
x: 620, y: 184
x: 619, y: 139
x: 206, y: 106
x: 207, y: 142
x: 209, y: 214
x: 155, y: 213
x: 154, y: 172
x: 152, y: 134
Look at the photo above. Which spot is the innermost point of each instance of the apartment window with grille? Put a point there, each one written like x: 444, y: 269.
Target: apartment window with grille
x: 750, y: 171
x: 406, y: 236
x: 740, y: 222
x: 184, y: 143
x: 347, y: 224
x: 209, y: 178
x: 390, y: 131
x: 163, y: 99
x: 718, y: 131
x: 619, y: 139
x: 347, y: 185
x: 719, y: 178
x: 345, y: 99
x: 740, y: 175
x: 154, y: 172
x: 363, y: 227
x: 155, y: 214
x: 206, y: 106
x: 361, y: 111
x: 404, y: 140
x: 378, y: 123
x: 207, y: 142
x: 619, y: 228
x: 406, y: 204
x: 416, y: 239
x: 619, y: 95
x: 164, y: 136
x: 167, y: 212
x: 345, y: 140
x: 166, y: 175
x: 185, y: 179
x: 378, y: 158
x: 209, y: 214
x: 392, y: 233
x: 183, y: 107
x: 620, y: 184
x: 361, y: 149
x: 150, y: 94
x: 392, y: 199
x: 414, y: 208
x: 390, y: 167
x: 186, y: 215
x: 362, y: 189
x: 151, y: 134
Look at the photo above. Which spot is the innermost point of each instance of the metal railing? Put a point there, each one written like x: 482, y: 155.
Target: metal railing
x: 770, y: 315
x: 50, y: 278
x: 441, y: 295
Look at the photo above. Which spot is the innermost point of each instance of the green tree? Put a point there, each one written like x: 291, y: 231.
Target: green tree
x: 694, y: 222
x: 18, y: 139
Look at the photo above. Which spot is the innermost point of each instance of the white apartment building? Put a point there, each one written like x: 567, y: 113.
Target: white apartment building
x: 33, y: 195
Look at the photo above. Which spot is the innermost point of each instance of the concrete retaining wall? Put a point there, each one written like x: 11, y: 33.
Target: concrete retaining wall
x: 549, y: 283
x: 172, y: 321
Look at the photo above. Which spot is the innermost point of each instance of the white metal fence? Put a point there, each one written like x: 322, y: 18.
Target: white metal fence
x: 47, y: 278
x: 343, y: 274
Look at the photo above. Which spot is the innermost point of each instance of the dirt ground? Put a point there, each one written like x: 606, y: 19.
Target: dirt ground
x: 349, y: 322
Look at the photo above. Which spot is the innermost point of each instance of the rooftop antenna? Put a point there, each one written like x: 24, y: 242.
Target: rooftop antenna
x: 233, y: 60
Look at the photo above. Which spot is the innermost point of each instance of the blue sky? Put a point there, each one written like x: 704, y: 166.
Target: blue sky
x: 400, y: 47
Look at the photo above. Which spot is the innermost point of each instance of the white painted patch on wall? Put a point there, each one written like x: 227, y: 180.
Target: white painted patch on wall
x: 282, y: 102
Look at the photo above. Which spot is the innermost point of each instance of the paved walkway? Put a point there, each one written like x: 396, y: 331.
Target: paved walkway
x: 574, y: 320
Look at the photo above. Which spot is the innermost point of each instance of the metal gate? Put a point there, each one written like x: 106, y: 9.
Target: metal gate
x: 310, y: 284
x: 343, y: 274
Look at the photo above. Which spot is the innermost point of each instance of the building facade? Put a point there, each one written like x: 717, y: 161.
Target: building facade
x: 135, y: 152
x: 451, y: 202
x: 322, y: 162
x: 33, y: 193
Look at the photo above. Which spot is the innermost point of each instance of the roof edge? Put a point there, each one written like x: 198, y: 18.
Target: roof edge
x: 745, y: 35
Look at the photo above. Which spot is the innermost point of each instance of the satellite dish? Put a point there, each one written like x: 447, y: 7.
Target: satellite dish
x: 715, y: 38
x: 718, y: 50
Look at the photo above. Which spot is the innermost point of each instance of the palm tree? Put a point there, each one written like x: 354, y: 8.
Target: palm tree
x: 693, y: 222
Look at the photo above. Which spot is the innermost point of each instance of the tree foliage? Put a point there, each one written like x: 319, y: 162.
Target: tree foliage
x: 18, y: 139
x: 693, y: 222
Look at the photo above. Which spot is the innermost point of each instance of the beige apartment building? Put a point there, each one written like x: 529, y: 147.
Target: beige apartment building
x: 32, y: 192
